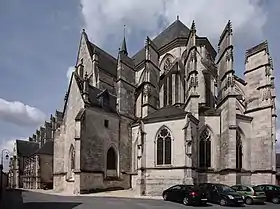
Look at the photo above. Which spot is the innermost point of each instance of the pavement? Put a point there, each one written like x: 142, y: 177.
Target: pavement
x: 129, y: 193
x: 22, y: 199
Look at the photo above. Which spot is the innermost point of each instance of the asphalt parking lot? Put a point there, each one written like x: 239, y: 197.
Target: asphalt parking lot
x: 17, y: 199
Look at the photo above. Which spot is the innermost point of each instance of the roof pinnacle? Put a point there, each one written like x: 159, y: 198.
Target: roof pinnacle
x: 193, y: 28
x: 123, y: 47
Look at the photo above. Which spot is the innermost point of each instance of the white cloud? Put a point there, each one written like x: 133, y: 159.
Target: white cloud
x: 105, y: 19
x: 69, y: 72
x: 7, y: 144
x: 20, y: 114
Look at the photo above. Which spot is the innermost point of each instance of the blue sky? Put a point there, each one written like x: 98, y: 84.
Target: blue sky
x: 39, y: 42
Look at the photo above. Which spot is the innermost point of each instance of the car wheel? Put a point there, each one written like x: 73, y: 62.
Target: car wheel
x: 165, y: 197
x: 275, y: 200
x: 185, y: 201
x: 223, y: 202
x: 248, y: 200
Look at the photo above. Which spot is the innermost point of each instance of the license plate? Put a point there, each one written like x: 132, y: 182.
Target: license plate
x: 204, y: 199
x: 240, y: 200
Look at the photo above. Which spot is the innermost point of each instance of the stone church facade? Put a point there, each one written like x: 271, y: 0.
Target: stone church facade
x: 175, y: 112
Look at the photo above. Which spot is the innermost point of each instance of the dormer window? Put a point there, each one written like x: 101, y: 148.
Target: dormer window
x: 103, y: 98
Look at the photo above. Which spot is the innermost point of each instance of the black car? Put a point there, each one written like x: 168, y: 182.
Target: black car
x: 221, y: 194
x: 272, y: 192
x: 186, y: 194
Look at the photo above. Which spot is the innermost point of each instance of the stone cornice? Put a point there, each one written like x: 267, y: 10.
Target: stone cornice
x: 162, y: 119
x: 258, y: 109
x: 210, y: 170
x: 256, y: 68
x: 244, y: 117
x: 225, y: 99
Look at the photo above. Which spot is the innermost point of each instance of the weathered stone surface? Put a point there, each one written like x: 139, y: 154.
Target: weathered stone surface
x: 211, y: 99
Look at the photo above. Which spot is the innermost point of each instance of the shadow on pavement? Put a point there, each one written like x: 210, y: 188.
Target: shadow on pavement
x: 48, y: 205
x: 12, y: 199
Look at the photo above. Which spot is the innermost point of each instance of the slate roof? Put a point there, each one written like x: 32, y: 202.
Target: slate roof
x: 165, y: 112
x: 105, y: 61
x: 26, y: 148
x: 46, y: 149
x: 176, y: 30
x: 127, y: 60
x: 94, y: 93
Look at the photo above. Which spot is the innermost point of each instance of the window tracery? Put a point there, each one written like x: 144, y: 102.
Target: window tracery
x: 164, y: 147
x: 205, y: 149
x: 167, y: 64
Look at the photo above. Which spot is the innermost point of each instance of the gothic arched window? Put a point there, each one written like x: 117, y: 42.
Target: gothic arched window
x: 239, y: 152
x: 205, y: 149
x: 164, y: 147
x: 73, y: 159
x: 71, y: 162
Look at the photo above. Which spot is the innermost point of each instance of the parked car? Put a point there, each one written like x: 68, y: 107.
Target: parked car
x: 221, y: 194
x: 251, y: 194
x: 272, y: 192
x: 186, y: 194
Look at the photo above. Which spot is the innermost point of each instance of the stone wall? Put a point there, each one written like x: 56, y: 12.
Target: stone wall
x: 65, y: 136
x: 156, y: 178
x: 96, y: 141
x: 46, y: 168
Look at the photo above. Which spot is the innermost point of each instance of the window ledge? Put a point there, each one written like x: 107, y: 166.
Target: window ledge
x: 201, y: 169
x: 164, y: 166
x: 112, y: 178
x: 70, y: 180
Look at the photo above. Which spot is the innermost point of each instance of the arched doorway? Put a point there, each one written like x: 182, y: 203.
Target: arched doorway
x: 111, y: 163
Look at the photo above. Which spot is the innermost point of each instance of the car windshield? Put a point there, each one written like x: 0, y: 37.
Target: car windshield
x: 257, y: 189
x: 224, y: 188
x: 190, y: 187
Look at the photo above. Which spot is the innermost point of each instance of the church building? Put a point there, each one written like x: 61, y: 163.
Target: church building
x: 174, y: 113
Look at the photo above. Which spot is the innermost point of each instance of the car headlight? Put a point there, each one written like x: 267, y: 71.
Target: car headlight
x: 243, y: 197
x: 230, y: 197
